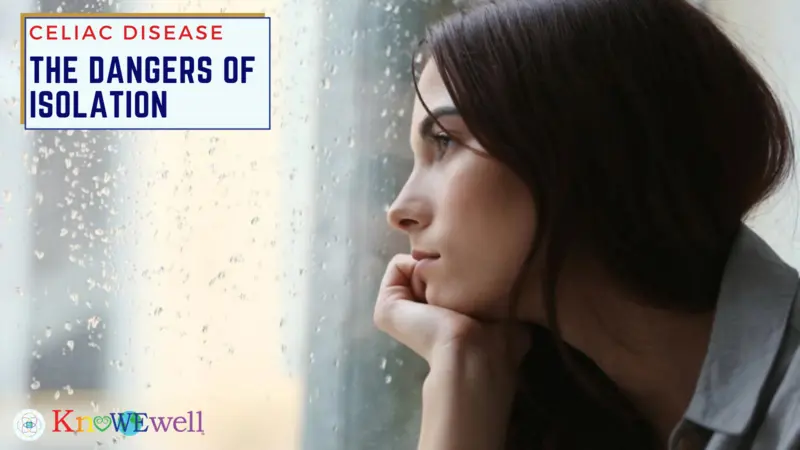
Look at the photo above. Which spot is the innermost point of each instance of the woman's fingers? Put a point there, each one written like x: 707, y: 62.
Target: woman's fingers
x: 398, y: 274
x: 397, y: 314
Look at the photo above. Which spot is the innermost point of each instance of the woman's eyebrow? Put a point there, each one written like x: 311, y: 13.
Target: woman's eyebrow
x: 427, y: 123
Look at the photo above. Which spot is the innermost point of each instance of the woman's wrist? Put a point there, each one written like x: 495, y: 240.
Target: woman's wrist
x: 465, y: 405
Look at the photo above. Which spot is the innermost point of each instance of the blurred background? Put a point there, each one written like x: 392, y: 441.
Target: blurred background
x: 234, y: 272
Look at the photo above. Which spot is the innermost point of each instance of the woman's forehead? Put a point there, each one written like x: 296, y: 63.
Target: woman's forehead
x: 433, y: 92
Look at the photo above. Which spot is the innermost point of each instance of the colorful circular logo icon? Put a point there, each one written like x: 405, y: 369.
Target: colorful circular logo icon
x: 29, y: 425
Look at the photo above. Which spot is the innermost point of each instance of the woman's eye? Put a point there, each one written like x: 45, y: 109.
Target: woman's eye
x: 443, y: 143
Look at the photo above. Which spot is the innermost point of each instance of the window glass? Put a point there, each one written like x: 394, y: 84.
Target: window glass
x: 234, y: 273
x: 231, y: 273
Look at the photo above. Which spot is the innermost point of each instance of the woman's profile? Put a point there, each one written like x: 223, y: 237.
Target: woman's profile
x: 581, y: 276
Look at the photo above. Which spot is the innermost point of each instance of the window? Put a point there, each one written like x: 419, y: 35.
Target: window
x: 231, y: 273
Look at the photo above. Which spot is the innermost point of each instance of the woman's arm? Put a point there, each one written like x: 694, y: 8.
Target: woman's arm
x: 464, y: 405
x: 468, y: 392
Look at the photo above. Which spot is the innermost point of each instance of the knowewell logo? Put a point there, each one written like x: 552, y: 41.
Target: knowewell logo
x: 128, y: 423
x: 29, y: 424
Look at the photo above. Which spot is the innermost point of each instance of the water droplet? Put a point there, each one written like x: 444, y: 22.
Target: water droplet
x: 48, y: 332
x: 254, y: 220
x: 158, y: 311
x: 68, y: 326
x: 388, y: 379
x: 6, y: 196
x: 71, y: 345
x: 92, y: 322
x: 39, y: 254
x: 57, y: 395
x: 69, y: 390
x: 36, y: 384
x: 383, y: 363
x: 204, y: 329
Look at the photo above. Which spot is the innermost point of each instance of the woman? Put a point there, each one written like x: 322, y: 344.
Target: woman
x: 580, y: 276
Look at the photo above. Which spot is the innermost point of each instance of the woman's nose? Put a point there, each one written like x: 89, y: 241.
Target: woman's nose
x: 409, y: 215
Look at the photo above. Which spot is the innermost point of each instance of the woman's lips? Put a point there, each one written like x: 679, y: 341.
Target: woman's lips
x: 420, y: 255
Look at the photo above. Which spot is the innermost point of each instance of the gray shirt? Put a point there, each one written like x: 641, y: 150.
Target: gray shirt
x: 748, y: 392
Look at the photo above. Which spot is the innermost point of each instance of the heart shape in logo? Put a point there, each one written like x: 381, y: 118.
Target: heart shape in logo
x: 99, y: 421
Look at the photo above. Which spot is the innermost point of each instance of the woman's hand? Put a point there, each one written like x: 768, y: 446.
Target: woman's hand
x: 473, y: 365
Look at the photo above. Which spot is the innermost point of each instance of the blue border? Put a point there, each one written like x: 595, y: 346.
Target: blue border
x: 269, y: 76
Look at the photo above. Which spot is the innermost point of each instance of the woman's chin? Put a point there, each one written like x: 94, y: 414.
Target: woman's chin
x: 475, y: 308
x: 448, y: 302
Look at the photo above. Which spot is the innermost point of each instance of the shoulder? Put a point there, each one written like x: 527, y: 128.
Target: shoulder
x: 780, y: 429
x: 761, y: 295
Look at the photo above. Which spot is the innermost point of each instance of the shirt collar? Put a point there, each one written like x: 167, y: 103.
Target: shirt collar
x: 753, y: 308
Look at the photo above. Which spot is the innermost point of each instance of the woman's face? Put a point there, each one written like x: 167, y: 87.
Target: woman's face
x: 469, y: 218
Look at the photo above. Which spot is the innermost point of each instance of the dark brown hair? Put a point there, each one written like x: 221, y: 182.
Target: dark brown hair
x: 645, y: 137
